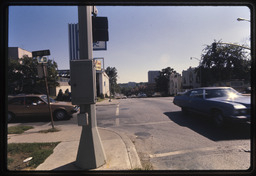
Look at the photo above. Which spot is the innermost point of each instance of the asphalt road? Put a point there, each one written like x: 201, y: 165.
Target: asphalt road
x: 167, y: 139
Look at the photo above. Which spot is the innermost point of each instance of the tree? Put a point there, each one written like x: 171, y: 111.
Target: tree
x: 112, y: 74
x: 224, y: 63
x: 23, y: 76
x: 162, y: 81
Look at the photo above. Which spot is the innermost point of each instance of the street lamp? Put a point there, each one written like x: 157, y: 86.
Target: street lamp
x: 200, y: 68
x: 243, y: 19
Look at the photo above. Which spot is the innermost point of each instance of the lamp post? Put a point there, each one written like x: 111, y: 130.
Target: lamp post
x: 200, y: 62
x: 243, y: 19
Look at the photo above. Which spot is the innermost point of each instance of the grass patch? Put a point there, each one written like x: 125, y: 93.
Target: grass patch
x: 18, y: 129
x: 100, y: 99
x: 51, y: 130
x: 17, y: 152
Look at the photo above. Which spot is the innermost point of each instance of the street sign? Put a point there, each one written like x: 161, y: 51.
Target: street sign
x: 100, y: 45
x: 42, y: 60
x: 41, y: 53
x: 97, y: 64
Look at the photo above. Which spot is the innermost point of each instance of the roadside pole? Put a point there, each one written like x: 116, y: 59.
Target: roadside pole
x: 47, y: 91
x: 43, y: 62
x: 90, y: 153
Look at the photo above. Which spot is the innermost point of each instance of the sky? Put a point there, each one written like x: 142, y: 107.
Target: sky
x: 141, y: 38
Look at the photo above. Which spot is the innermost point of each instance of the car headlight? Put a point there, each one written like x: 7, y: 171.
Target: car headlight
x: 240, y: 111
x: 76, y: 108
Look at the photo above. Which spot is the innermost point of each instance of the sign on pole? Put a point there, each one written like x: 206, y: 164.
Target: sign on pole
x: 42, y: 60
x: 41, y: 53
x: 100, y: 45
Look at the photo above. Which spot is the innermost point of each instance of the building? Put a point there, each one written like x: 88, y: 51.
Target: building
x: 152, y: 75
x: 102, y: 83
x: 63, y: 85
x: 175, y: 83
x: 18, y: 53
x: 190, y: 79
x: 73, y: 36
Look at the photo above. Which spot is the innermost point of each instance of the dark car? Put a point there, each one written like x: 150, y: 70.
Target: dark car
x: 220, y: 103
x: 37, y: 105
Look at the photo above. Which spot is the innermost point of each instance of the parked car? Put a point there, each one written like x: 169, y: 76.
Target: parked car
x: 37, y: 105
x: 156, y: 94
x: 133, y: 96
x: 142, y: 95
x: 221, y: 103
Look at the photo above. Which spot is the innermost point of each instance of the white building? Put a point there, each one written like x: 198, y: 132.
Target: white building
x: 190, y: 79
x: 102, y: 83
x: 175, y: 83
x: 18, y: 53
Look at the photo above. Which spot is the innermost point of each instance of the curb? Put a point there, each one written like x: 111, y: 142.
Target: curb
x: 131, y: 150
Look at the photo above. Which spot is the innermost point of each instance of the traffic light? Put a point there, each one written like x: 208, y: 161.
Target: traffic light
x: 214, y: 45
x: 100, y: 28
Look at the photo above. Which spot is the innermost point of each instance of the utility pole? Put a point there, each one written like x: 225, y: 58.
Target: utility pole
x: 43, y: 61
x: 90, y: 153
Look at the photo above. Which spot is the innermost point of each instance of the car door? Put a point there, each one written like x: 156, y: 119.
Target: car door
x: 196, y: 100
x: 34, y: 106
x: 16, y: 106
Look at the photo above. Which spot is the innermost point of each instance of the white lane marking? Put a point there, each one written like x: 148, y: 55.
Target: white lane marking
x: 181, y: 152
x: 241, y: 148
x: 117, y: 110
x: 117, y: 115
x: 149, y: 123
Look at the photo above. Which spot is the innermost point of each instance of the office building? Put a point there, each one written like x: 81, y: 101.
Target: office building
x: 152, y: 75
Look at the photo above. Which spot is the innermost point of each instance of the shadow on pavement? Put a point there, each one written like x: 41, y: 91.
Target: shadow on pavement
x: 204, y: 126
x: 29, y: 119
x: 70, y: 166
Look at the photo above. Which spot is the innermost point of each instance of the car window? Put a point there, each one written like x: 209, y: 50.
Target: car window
x: 196, y: 93
x: 31, y: 100
x: 215, y: 93
x: 44, y: 97
x: 187, y: 93
x: 17, y: 101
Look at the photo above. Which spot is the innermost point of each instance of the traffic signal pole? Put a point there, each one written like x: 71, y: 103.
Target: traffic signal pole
x: 90, y: 153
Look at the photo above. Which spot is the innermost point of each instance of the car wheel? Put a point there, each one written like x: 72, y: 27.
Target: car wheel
x: 218, y: 119
x: 60, y: 115
x: 10, y: 117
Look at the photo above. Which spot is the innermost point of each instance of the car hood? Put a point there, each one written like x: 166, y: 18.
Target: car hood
x: 244, y: 100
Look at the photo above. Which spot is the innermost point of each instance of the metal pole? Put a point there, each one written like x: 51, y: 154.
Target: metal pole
x: 90, y: 153
x: 47, y: 91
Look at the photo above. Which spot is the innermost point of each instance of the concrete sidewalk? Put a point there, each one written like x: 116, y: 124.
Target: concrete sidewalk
x: 119, y: 149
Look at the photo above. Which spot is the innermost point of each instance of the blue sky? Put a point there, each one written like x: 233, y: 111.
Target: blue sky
x: 141, y: 38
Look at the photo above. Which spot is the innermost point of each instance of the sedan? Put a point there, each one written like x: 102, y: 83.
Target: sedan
x: 37, y: 105
x: 220, y: 103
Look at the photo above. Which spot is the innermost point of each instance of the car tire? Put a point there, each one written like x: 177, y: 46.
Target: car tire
x: 60, y: 115
x: 10, y: 117
x: 218, y: 119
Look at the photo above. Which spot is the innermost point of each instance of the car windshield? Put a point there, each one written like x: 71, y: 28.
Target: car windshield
x: 44, y: 97
x: 214, y: 93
